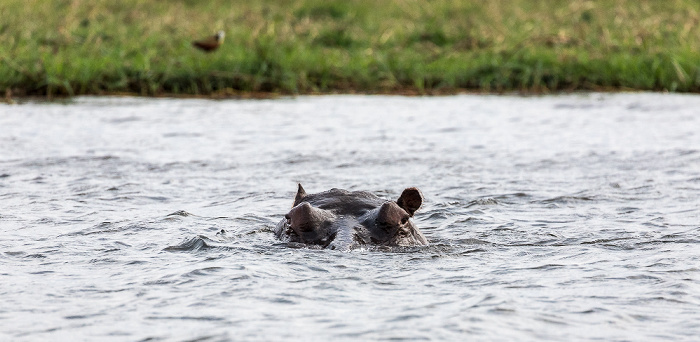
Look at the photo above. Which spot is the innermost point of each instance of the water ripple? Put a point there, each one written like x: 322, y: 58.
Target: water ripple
x: 550, y: 218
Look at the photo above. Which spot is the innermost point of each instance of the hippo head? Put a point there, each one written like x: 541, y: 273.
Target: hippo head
x: 340, y: 219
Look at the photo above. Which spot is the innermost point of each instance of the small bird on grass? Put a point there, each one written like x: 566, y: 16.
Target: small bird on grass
x: 210, y: 44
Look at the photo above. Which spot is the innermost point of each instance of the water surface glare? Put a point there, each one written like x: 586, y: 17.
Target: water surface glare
x: 561, y: 218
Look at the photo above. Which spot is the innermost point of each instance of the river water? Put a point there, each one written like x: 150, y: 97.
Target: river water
x: 573, y: 217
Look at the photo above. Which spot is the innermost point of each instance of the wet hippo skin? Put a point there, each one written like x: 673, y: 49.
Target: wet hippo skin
x: 341, y: 219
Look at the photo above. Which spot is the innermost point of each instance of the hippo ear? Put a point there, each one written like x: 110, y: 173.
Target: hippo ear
x: 410, y: 200
x: 300, y: 195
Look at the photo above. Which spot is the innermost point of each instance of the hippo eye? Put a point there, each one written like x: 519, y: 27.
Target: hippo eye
x: 404, y: 220
x: 289, y: 219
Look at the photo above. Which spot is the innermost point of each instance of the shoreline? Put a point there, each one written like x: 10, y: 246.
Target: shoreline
x: 249, y: 95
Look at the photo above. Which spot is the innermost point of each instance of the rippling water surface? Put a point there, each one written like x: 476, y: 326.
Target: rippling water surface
x: 550, y: 218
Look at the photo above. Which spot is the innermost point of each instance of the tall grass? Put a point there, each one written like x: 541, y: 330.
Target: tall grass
x: 71, y: 47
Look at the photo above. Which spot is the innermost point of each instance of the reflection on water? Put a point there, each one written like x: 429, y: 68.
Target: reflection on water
x: 562, y: 217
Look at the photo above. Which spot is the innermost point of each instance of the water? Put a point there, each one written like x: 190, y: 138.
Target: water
x: 561, y: 218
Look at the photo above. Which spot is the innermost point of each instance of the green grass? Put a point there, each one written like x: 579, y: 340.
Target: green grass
x: 52, y: 47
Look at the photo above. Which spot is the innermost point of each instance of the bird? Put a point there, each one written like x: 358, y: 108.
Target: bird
x: 210, y: 44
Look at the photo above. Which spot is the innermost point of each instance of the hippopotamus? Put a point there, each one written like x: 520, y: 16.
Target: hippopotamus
x: 343, y: 220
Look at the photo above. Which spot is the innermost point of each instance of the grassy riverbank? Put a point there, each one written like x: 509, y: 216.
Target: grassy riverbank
x: 71, y: 47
